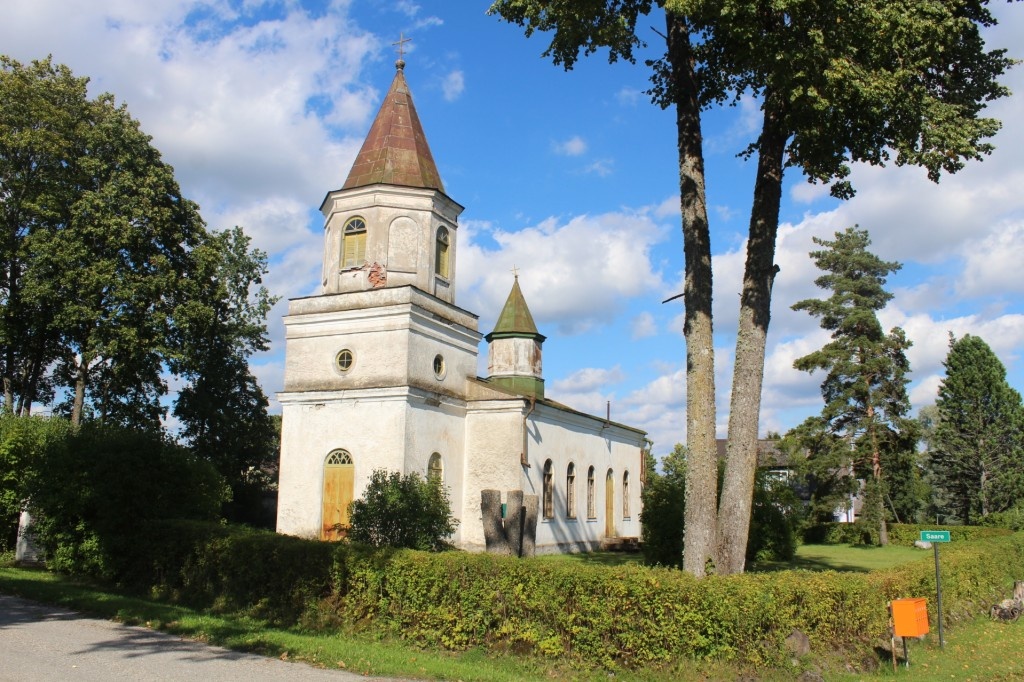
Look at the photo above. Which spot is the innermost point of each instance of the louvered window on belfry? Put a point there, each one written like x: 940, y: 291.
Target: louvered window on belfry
x: 441, y: 257
x: 339, y: 457
x: 353, y: 249
x: 549, y: 491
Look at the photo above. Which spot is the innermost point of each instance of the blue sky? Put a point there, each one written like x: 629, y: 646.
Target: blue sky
x: 571, y: 177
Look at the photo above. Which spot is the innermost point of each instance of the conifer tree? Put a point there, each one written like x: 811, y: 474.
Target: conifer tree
x: 865, y: 382
x: 978, y: 446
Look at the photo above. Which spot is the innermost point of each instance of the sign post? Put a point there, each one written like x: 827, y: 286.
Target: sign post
x: 935, y: 537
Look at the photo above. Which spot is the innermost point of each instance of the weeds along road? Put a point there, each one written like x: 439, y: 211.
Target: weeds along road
x: 40, y: 642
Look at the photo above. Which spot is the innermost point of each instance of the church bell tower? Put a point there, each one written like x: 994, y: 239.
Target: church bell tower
x: 391, y: 224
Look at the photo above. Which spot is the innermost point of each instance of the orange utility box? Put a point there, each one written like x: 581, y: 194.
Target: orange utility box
x: 910, y: 617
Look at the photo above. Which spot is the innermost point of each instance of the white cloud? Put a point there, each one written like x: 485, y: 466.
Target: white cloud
x: 643, y: 326
x: 588, y: 379
x: 629, y: 96
x: 670, y: 207
x: 574, y: 146
x: 574, y: 274
x: 601, y: 167
x: 454, y: 84
x: 993, y: 266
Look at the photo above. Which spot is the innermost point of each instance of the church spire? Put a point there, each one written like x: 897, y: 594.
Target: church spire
x: 395, y: 151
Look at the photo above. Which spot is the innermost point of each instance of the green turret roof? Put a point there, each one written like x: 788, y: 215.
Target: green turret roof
x: 515, y: 319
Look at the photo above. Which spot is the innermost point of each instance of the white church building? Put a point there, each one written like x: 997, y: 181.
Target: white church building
x: 381, y: 371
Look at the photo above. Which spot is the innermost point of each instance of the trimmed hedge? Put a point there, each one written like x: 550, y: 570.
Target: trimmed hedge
x: 629, y: 615
x: 904, y: 534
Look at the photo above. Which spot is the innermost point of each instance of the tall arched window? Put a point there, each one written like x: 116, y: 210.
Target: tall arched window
x: 353, y: 248
x: 570, y: 491
x: 435, y: 468
x: 591, y: 502
x: 625, y: 494
x: 549, y: 491
x: 441, y: 254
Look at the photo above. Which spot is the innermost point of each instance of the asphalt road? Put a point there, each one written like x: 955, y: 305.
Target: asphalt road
x: 40, y: 642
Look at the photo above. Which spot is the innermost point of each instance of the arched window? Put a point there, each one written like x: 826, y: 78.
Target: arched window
x: 338, y: 457
x: 625, y: 494
x: 435, y: 468
x: 549, y: 491
x: 570, y: 491
x: 353, y: 249
x: 591, y: 503
x: 441, y: 253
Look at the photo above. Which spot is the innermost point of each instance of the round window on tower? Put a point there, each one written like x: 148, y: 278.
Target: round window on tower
x: 344, y: 360
x: 439, y: 366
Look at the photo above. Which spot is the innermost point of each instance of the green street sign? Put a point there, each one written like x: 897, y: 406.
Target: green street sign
x: 935, y: 535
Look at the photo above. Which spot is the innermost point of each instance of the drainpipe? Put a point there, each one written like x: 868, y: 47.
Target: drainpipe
x: 523, y: 459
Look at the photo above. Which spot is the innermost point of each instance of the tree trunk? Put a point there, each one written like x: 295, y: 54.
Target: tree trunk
x: 79, y: 404
x: 748, y: 373
x: 701, y: 465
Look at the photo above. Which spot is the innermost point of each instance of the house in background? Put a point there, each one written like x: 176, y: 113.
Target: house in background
x: 380, y: 370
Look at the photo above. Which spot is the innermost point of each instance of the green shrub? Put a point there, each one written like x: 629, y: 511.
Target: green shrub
x: 91, y: 489
x: 22, y: 442
x: 402, y: 510
x: 903, y: 534
x: 628, y: 616
x: 776, y: 515
x: 663, y: 512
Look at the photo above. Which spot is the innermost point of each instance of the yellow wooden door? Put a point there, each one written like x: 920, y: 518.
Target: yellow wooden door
x: 609, y: 505
x: 339, y: 483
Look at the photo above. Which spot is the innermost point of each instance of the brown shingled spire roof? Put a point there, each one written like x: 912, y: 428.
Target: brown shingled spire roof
x: 395, y: 151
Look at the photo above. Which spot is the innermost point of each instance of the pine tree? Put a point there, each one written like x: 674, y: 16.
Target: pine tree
x: 865, y: 384
x: 978, y: 450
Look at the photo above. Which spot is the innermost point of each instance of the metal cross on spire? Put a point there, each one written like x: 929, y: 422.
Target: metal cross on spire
x: 402, y: 40
x: 515, y: 271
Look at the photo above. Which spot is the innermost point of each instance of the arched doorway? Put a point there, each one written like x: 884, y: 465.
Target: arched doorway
x: 339, y: 485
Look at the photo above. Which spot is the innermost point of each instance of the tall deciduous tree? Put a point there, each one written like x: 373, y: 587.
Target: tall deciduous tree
x: 978, y: 447
x: 857, y: 80
x: 223, y: 410
x: 108, y: 276
x: 865, y: 369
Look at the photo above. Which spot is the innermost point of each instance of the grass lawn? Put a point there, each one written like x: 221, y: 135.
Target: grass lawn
x: 979, y: 651
x: 858, y: 558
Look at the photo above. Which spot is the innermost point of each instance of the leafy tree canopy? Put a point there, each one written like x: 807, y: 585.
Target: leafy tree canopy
x: 109, y: 279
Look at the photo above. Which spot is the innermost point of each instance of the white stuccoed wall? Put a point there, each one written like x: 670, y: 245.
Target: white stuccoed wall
x: 565, y: 437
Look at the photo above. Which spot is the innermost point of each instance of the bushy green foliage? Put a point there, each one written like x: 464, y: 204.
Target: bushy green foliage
x: 664, y: 507
x: 613, y: 616
x: 22, y: 442
x: 1011, y: 519
x: 90, y: 490
x: 776, y: 517
x: 402, y: 510
x: 899, y: 533
x: 775, y: 521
